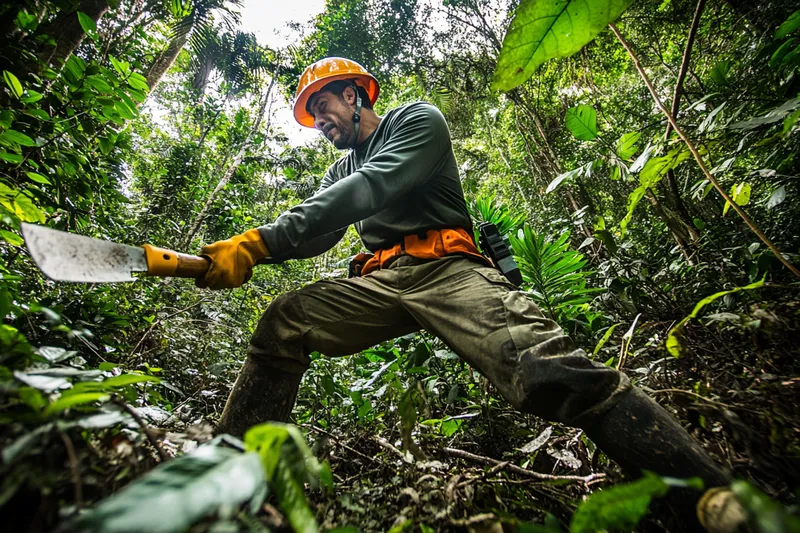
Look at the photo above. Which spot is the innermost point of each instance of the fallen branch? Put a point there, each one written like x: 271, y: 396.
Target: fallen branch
x: 142, y: 424
x: 389, y: 446
x: 486, y: 475
x: 461, y: 454
x: 699, y: 158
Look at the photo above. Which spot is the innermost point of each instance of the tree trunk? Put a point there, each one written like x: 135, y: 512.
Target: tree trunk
x: 673, y: 190
x: 226, y: 177
x: 67, y: 32
x: 201, y: 76
x: 165, y: 60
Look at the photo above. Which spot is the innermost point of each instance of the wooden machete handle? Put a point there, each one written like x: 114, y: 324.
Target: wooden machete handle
x: 166, y: 263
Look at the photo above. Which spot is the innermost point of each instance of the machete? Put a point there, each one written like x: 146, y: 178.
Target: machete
x: 64, y: 256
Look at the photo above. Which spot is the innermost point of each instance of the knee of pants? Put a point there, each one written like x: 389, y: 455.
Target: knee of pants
x: 278, y: 338
x: 566, y: 386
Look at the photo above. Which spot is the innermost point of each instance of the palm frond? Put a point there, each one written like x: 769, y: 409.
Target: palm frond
x: 553, y: 271
x: 486, y: 208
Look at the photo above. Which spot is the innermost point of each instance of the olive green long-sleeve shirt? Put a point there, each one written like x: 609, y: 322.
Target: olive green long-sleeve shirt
x: 401, y: 180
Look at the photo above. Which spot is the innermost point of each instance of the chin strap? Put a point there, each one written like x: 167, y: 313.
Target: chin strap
x: 357, y: 115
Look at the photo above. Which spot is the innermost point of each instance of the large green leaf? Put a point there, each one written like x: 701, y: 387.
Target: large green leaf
x: 772, y: 116
x: 13, y: 83
x: 628, y: 144
x: 654, y: 169
x: 582, y: 122
x: 618, y: 508
x: 791, y: 24
x: 13, y: 138
x: 87, y: 23
x: 180, y: 492
x: 544, y: 30
x: 740, y: 194
x: 766, y: 515
x: 289, y: 464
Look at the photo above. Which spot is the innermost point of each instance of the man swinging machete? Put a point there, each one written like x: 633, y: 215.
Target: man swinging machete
x: 399, y: 185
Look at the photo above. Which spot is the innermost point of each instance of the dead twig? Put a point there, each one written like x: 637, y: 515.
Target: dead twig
x: 483, y: 477
x: 461, y: 454
x: 707, y: 400
x: 340, y: 443
x: 150, y: 435
x: 74, y: 470
x: 158, y: 321
x: 389, y: 446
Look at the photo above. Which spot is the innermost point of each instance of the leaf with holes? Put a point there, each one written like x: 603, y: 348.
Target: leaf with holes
x: 582, y: 122
x: 541, y: 31
x: 628, y: 144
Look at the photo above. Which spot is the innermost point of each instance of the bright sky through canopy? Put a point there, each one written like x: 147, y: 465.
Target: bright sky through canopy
x: 267, y: 19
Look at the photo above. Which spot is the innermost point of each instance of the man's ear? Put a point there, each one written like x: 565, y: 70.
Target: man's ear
x: 349, y: 95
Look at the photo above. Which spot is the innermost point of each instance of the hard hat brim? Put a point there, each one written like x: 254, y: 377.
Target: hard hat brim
x: 304, y: 118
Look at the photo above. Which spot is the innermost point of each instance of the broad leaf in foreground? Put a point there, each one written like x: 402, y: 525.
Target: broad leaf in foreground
x: 179, y: 493
x: 620, y: 508
x: 289, y: 464
x: 545, y: 30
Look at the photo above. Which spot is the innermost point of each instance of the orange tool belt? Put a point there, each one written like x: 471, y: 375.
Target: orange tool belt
x: 435, y: 244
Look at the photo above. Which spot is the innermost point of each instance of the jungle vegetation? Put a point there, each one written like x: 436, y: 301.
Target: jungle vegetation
x: 643, y: 163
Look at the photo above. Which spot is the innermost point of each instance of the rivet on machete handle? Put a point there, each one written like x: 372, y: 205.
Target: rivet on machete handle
x: 163, y: 262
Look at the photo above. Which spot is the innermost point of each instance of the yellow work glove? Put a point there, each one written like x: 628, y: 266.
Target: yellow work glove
x: 232, y: 260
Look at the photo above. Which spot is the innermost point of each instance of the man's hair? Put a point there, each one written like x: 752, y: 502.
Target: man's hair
x: 337, y: 88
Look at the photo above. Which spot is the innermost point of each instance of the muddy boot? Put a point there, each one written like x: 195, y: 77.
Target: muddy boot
x: 639, y: 435
x: 261, y: 393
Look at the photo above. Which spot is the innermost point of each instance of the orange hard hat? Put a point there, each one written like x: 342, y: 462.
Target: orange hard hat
x: 324, y: 71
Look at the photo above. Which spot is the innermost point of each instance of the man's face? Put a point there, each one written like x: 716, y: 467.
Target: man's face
x: 334, y: 117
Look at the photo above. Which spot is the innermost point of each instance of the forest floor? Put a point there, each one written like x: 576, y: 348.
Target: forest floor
x: 736, y: 390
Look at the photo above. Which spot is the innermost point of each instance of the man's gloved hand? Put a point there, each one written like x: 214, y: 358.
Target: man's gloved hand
x: 232, y: 260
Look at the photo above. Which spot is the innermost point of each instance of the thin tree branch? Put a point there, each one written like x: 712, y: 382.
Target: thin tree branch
x: 687, y: 53
x: 461, y: 454
x: 142, y: 424
x: 699, y: 158
x: 340, y: 443
x: 74, y: 470
x: 676, y: 100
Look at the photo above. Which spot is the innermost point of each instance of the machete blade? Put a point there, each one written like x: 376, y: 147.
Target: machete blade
x: 64, y: 256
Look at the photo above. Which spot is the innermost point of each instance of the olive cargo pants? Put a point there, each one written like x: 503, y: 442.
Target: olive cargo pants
x: 495, y: 329
x: 473, y: 308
